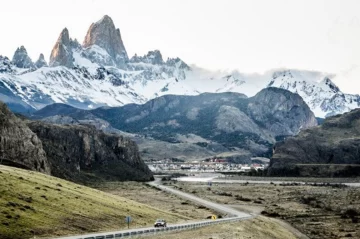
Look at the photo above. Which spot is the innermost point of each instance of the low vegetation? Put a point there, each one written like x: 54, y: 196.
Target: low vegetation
x: 35, y: 204
x: 155, y: 197
x: 319, y: 210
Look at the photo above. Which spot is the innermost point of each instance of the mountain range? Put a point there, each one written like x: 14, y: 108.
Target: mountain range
x: 99, y: 72
x: 228, y: 125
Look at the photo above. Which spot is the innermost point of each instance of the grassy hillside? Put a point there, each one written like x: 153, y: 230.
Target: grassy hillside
x: 35, y: 204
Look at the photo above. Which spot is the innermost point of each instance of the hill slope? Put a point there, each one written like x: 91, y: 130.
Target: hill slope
x: 336, y: 142
x: 35, y: 204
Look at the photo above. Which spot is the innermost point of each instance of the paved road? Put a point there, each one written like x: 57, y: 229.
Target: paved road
x: 152, y: 230
x: 215, y: 179
x: 232, y: 214
x: 215, y: 206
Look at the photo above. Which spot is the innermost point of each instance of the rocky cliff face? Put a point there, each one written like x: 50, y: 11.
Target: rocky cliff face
x: 336, y: 141
x: 104, y: 34
x: 281, y: 112
x: 76, y: 151
x: 61, y: 54
x: 19, y: 146
x: 21, y: 58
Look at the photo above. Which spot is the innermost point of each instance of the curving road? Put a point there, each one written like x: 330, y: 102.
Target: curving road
x: 215, y: 206
x: 232, y: 216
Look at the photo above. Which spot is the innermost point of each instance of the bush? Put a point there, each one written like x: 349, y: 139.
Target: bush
x: 270, y: 214
x: 240, y: 198
x: 350, y: 213
x: 224, y: 194
x: 308, y: 199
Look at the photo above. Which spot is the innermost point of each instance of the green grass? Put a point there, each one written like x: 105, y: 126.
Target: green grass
x: 35, y: 204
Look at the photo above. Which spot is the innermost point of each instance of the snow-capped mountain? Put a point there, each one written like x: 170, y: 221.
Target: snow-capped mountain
x: 319, y: 92
x: 100, y: 73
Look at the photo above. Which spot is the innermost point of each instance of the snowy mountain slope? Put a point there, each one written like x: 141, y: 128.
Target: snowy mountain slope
x: 316, y: 88
x: 75, y: 86
x: 89, y: 75
x: 319, y: 92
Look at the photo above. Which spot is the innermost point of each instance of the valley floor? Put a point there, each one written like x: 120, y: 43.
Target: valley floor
x: 259, y: 227
x: 317, y: 211
x: 34, y: 204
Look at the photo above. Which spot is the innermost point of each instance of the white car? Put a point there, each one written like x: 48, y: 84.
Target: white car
x: 160, y: 223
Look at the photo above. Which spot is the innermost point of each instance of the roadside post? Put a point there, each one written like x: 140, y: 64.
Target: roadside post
x: 128, y: 220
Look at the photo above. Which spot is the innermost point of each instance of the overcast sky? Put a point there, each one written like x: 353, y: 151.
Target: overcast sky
x: 251, y: 36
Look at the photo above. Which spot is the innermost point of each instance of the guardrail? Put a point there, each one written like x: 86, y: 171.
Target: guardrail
x: 151, y: 230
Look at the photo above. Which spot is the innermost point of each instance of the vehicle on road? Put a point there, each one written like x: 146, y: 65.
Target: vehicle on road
x: 160, y: 223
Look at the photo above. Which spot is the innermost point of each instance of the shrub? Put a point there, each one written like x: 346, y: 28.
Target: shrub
x: 240, y: 198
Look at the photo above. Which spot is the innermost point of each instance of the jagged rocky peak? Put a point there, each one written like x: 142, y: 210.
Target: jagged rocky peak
x: 331, y: 85
x: 61, y: 54
x: 104, y: 34
x: 75, y: 44
x: 41, y: 61
x: 155, y: 57
x: 6, y: 66
x: 178, y: 63
x: 283, y: 73
x: 21, y: 58
x: 152, y: 57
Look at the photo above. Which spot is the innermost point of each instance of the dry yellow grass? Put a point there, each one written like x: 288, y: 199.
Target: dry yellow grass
x: 33, y: 203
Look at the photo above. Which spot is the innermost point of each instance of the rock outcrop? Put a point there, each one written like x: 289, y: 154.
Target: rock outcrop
x: 21, y: 58
x: 281, y: 112
x: 104, y: 34
x: 61, y: 54
x: 177, y: 62
x: 335, y: 142
x: 77, y: 151
x: 41, y: 61
x: 19, y: 146
x: 152, y: 57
